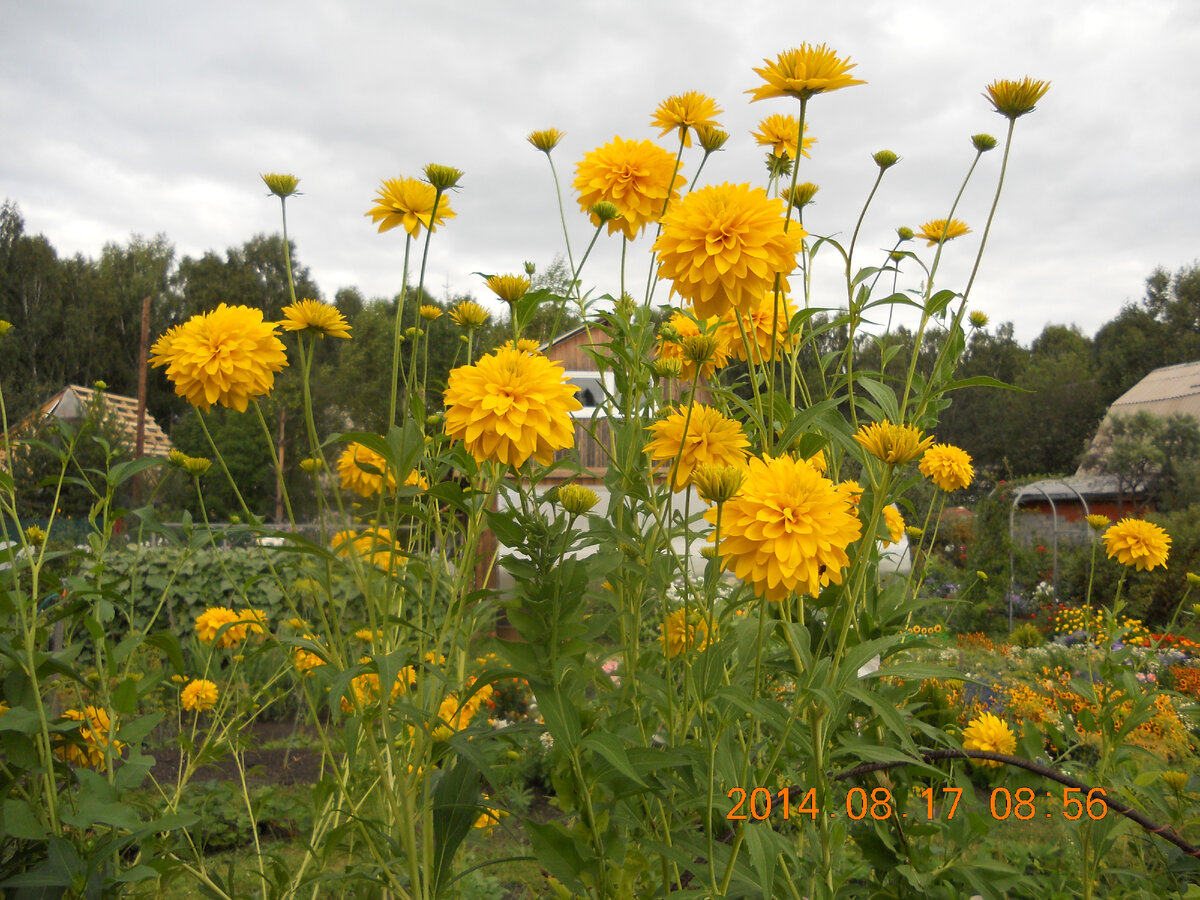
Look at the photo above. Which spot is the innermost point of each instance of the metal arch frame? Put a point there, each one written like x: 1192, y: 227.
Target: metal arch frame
x: 1012, y: 513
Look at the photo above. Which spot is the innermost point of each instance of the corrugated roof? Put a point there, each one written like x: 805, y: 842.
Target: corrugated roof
x: 1090, y: 486
x: 1171, y: 389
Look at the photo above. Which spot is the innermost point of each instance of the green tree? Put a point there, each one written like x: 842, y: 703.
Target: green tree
x: 1152, y: 457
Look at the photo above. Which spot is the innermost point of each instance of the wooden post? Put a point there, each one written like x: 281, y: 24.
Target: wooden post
x: 139, y: 447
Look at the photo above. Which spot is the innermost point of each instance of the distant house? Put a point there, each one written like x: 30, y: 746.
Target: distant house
x: 71, y: 405
x: 571, y: 350
x: 1054, y: 509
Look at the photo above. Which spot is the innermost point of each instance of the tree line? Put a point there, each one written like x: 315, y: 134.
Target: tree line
x: 77, y: 320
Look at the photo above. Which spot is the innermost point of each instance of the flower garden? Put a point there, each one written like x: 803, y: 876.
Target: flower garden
x: 689, y: 672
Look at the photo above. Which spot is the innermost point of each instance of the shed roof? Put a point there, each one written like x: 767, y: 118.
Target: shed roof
x: 70, y: 404
x: 1171, y: 389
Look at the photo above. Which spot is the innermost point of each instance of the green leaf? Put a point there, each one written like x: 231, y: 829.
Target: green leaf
x: 608, y: 746
x: 562, y: 718
x: 17, y: 820
x: 455, y: 809
x: 557, y: 852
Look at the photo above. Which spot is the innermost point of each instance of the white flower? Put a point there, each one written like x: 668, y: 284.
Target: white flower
x: 547, y: 741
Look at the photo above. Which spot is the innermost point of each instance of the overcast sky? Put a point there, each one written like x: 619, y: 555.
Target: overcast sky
x: 148, y: 117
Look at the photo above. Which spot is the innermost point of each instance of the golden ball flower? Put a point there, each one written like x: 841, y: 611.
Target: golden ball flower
x: 852, y: 490
x: 802, y: 72
x: 469, y: 315
x: 510, y: 406
x: 1013, y: 99
x: 509, y: 288
x: 312, y: 315
x: 199, y: 695
x: 546, y: 139
x: 788, y: 529
x: 95, y: 727
x: 373, y: 545
x: 723, y: 246
x: 682, y: 631
x: 687, y: 438
x: 363, y: 471
x: 409, y: 203
x: 281, y: 186
x: 990, y: 733
x: 209, y: 622
x: 779, y: 132
x: 305, y: 660
x: 577, y: 499
x: 525, y: 345
x: 1137, y: 543
x: 766, y: 327
x: 947, y: 466
x: 638, y: 177
x: 1098, y: 521
x: 228, y: 356
x: 682, y: 112
x: 892, y: 443
x: 938, y: 231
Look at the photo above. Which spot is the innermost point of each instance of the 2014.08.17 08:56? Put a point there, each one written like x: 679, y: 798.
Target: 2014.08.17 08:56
x: 760, y: 803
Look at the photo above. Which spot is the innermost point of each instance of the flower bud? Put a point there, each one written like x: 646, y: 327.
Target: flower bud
x: 312, y: 464
x: 666, y: 369
x: 100, y: 385
x: 545, y: 140
x: 177, y: 458
x: 904, y: 233
x: 716, y: 483
x: 711, y: 138
x: 197, y: 465
x: 801, y: 195
x: 983, y: 142
x: 605, y: 211
x: 530, y: 268
x: 509, y: 288
x: 282, y: 186
x: 699, y: 348
x: 5, y: 325
x: 412, y: 333
x: 885, y: 159
x: 978, y: 319
x: 429, y: 312
x: 1193, y: 578
x: 981, y: 575
x: 1098, y: 521
x: 1176, y: 781
x: 442, y: 177
x: 576, y: 499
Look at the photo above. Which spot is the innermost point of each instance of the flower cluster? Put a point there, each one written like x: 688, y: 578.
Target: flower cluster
x: 237, y: 625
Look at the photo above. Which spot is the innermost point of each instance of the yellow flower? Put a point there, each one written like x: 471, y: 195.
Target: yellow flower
x: 937, y: 231
x: 683, y: 111
x: 417, y: 480
x: 94, y: 732
x: 978, y: 318
x: 373, y: 545
x: 787, y: 530
x: 509, y: 288
x: 228, y: 356
x: 305, y: 660
x: 313, y: 315
x: 408, y: 202
x: 990, y: 733
x: 779, y: 132
x: 1016, y: 98
x: 947, y: 466
x: 429, y: 312
x: 1137, y: 543
x: 852, y: 490
x: 891, y: 443
x: 443, y: 178
x: 683, y: 630
x: 35, y: 535
x: 489, y: 818
x: 209, y: 622
x: 710, y: 437
x: 241, y: 624
x: 356, y: 476
x: 510, y: 406
x: 674, y: 337
x: 577, y: 499
x: 802, y: 72
x: 1176, y: 781
x: 525, y: 345
x: 469, y: 315
x: 199, y: 695
x: 893, y: 521
x: 281, y: 185
x: 711, y: 139
x: 5, y: 325
x: 723, y: 246
x: 766, y: 327
x: 1098, y: 521
x: 635, y: 176
x: 365, y: 634
x: 546, y: 139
